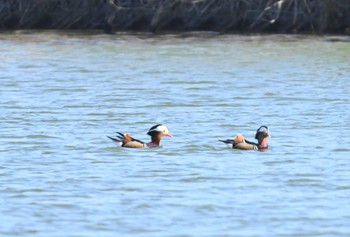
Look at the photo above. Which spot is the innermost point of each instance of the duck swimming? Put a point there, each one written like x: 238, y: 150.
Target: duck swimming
x: 239, y: 141
x: 156, y: 132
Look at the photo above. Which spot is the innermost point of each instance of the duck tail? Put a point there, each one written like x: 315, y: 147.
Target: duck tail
x: 115, y: 139
x: 227, y: 141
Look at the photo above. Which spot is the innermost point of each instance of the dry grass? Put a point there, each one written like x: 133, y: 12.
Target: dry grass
x: 279, y: 16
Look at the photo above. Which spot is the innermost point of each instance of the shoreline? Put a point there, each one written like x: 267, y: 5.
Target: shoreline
x: 42, y: 34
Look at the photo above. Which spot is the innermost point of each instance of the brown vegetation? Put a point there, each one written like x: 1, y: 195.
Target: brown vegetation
x: 278, y: 16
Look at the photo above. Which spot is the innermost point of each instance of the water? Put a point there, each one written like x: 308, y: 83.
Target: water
x: 62, y: 93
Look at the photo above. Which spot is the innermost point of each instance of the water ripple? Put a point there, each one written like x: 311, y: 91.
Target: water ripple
x: 62, y: 93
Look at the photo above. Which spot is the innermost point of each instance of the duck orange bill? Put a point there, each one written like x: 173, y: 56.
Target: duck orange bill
x: 169, y: 135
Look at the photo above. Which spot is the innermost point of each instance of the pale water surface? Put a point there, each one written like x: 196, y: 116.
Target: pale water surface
x: 62, y: 93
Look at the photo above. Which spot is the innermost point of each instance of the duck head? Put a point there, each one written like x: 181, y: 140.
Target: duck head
x: 262, y: 134
x: 157, y: 132
x: 159, y: 129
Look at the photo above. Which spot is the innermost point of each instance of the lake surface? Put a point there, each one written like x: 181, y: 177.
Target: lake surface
x: 62, y: 93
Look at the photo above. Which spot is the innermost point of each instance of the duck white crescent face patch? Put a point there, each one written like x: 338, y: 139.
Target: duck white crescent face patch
x: 263, y: 129
x: 164, y: 129
x: 160, y: 128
